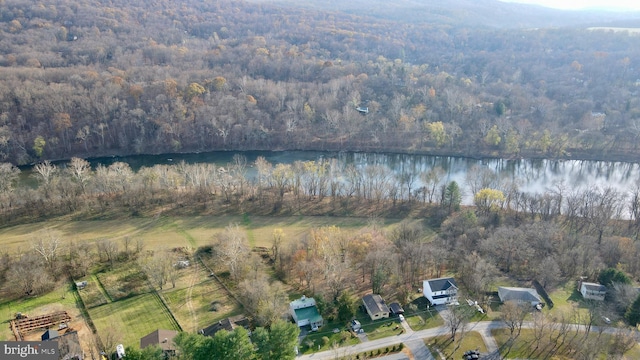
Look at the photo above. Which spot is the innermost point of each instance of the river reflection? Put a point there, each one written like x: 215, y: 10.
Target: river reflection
x: 533, y: 176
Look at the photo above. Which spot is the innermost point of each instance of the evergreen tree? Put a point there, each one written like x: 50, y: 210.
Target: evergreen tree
x: 346, y: 307
x: 452, y: 197
x: 277, y: 343
x: 633, y: 312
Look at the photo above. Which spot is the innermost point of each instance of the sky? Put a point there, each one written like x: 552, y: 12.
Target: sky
x: 582, y: 4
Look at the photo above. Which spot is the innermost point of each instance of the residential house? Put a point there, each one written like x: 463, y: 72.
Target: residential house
x: 375, y: 306
x: 68, y: 344
x: 593, y: 291
x: 305, y: 312
x: 163, y: 339
x: 440, y: 291
x: 520, y: 295
x: 228, y: 324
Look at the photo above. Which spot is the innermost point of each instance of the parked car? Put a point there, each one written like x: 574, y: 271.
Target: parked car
x: 606, y: 320
x: 355, y: 325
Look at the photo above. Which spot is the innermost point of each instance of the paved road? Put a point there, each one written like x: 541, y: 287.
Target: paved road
x: 417, y: 346
x: 414, y: 337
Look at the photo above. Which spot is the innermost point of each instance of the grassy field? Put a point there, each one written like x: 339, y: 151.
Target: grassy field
x: 132, y: 318
x: 471, y: 341
x: 124, y: 281
x: 171, y: 232
x: 198, y: 300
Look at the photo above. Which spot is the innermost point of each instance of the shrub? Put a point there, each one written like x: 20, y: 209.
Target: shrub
x: 325, y: 340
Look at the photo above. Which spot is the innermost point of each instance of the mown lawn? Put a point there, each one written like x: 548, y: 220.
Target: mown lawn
x: 57, y: 300
x: 376, y: 329
x: 132, y: 318
x: 566, y: 300
x: 426, y: 319
x: 201, y: 303
x: 455, y: 349
x: 330, y: 335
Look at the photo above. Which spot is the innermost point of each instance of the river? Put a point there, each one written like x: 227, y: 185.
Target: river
x: 533, y: 176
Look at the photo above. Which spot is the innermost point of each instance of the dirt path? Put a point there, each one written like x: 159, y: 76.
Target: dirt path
x: 189, y: 295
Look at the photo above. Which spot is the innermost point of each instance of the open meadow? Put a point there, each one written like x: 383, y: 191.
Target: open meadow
x: 170, y: 232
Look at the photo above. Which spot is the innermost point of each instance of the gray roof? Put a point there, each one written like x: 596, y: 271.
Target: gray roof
x: 375, y: 304
x: 594, y: 287
x: 442, y: 284
x: 396, y: 308
x: 518, y: 294
x: 160, y: 337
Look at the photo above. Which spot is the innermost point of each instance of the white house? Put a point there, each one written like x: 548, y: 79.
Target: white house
x: 376, y: 308
x: 440, y: 291
x: 593, y: 291
x: 519, y: 295
x: 305, y: 312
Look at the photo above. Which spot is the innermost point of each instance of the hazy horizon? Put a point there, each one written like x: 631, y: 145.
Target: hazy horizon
x: 583, y: 4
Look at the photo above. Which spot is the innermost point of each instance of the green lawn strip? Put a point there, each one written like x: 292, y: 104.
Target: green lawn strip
x: 419, y: 317
x: 382, y: 328
x: 471, y: 341
x: 330, y: 335
x: 372, y: 354
x: 420, y: 320
x: 132, y: 318
x: 165, y: 309
x: 53, y: 301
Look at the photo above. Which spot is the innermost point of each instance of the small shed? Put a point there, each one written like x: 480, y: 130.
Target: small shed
x: 396, y: 309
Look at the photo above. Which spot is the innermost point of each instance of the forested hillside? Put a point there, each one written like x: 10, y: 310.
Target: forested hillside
x: 97, y: 77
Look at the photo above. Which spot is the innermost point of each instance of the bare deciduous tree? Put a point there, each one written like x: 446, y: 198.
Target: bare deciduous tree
x: 513, y: 315
x: 456, y: 317
x: 231, y: 248
x: 47, y: 243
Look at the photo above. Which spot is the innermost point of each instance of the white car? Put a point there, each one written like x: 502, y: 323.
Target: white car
x: 606, y: 320
x: 401, y: 317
